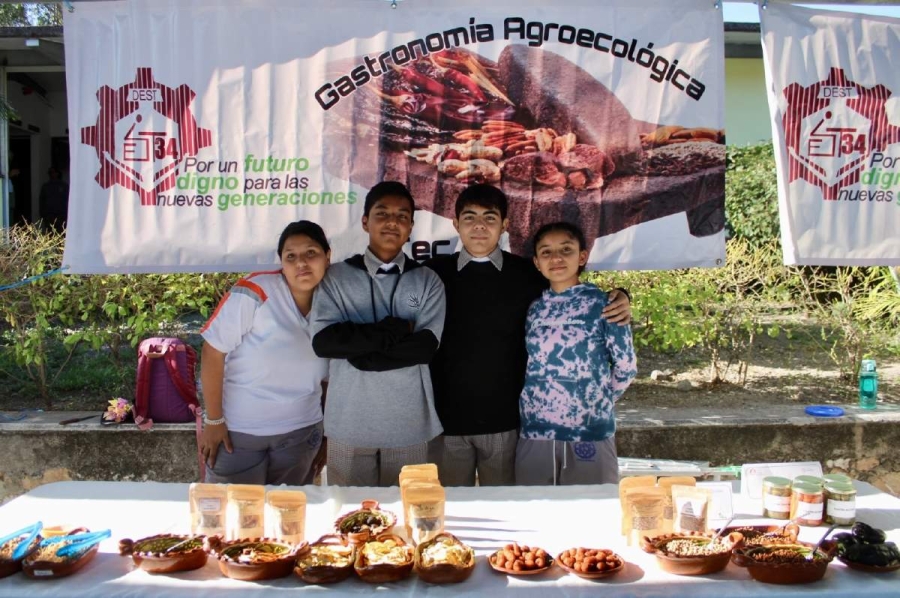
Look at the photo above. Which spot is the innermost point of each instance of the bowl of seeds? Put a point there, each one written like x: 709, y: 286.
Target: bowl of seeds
x: 61, y: 558
x: 761, y: 535
x: 254, y: 559
x: 165, y: 553
x: 10, y: 561
x: 692, y: 553
x: 785, y: 563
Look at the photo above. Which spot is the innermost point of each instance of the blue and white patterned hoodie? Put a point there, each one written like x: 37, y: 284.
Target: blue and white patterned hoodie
x: 579, y: 365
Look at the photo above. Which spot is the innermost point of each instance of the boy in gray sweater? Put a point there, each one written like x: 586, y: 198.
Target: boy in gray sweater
x: 379, y: 316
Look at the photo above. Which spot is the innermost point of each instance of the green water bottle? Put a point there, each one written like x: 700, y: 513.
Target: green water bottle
x: 868, y: 384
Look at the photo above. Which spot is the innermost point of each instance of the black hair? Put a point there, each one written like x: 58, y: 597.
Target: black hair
x: 303, y: 227
x: 482, y: 195
x: 573, y: 230
x: 385, y: 188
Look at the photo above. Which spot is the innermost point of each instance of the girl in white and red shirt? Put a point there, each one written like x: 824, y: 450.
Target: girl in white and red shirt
x: 263, y: 386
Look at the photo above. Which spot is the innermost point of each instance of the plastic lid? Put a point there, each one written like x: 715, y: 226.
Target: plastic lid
x: 840, y: 487
x: 774, y: 480
x: 837, y: 477
x: 806, y: 488
x: 809, y: 479
x: 824, y: 411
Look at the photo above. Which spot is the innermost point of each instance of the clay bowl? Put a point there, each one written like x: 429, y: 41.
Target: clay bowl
x: 593, y: 574
x: 492, y: 562
x: 869, y: 568
x: 370, y: 517
x: 690, y: 564
x: 165, y: 553
x: 9, y: 566
x: 444, y: 572
x: 325, y: 574
x: 254, y: 559
x: 36, y: 567
x: 383, y: 572
x: 757, y: 535
x: 785, y: 573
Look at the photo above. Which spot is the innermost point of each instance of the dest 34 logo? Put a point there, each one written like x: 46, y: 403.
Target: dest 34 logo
x: 832, y: 127
x: 144, y: 131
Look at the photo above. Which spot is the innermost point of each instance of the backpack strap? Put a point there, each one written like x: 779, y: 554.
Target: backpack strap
x: 186, y: 388
x: 142, y: 392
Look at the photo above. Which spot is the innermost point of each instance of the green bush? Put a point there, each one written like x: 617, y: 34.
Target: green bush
x: 54, y: 319
x: 751, y: 193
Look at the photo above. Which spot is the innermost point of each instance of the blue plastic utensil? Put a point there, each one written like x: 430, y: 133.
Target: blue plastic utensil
x: 32, y: 531
x: 78, y: 542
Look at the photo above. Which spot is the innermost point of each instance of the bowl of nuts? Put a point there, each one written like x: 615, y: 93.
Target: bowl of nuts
x: 692, y: 553
x: 590, y: 563
x: 513, y: 559
x: 785, y: 563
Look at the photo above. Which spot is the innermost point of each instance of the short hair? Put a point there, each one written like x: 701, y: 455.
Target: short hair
x: 303, y: 227
x: 385, y: 188
x: 482, y: 195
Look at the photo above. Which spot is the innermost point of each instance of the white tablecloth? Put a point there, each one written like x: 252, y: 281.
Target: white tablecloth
x: 552, y: 518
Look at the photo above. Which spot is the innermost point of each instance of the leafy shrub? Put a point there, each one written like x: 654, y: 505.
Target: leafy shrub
x: 751, y: 193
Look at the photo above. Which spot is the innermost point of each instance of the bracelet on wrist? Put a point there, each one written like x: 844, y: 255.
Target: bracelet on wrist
x: 213, y: 422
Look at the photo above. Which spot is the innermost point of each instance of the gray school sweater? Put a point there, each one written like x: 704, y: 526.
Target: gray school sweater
x: 379, y: 387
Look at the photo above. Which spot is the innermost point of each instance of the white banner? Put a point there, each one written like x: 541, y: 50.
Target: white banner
x: 199, y: 129
x: 831, y: 78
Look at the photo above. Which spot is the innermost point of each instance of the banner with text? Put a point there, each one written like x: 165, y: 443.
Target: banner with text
x: 832, y: 79
x: 200, y: 129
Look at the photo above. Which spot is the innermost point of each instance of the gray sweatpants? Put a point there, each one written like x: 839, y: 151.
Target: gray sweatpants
x: 556, y: 462
x: 280, y: 459
x: 354, y: 466
x: 492, y: 456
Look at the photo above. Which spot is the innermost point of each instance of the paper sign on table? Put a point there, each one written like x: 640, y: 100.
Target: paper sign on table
x: 752, y: 475
x: 721, y: 507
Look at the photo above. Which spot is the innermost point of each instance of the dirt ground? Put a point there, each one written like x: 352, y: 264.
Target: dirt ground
x: 780, y: 371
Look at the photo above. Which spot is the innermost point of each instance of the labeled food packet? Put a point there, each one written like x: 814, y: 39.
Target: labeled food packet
x: 423, y: 471
x: 691, y: 506
x: 645, y: 507
x: 404, y: 489
x: 668, y: 508
x: 286, y: 515
x: 425, y: 503
x: 624, y: 485
x: 245, y: 514
x: 208, y: 509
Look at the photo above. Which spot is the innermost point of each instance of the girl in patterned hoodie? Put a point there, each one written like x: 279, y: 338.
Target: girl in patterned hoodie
x: 579, y: 365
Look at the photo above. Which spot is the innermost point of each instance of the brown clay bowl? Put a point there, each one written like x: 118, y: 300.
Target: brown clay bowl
x: 165, y: 553
x: 369, y: 517
x: 47, y: 569
x: 254, y: 559
x: 690, y: 564
x: 438, y: 572
x: 325, y: 574
x: 755, y: 535
x: 383, y: 572
x: 9, y: 566
x: 785, y: 573
x: 592, y: 574
x: 492, y: 562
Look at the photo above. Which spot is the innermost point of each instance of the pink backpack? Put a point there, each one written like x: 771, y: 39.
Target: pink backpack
x: 166, y: 387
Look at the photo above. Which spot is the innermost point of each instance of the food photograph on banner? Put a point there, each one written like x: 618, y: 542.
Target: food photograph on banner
x: 832, y: 83
x: 197, y: 143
